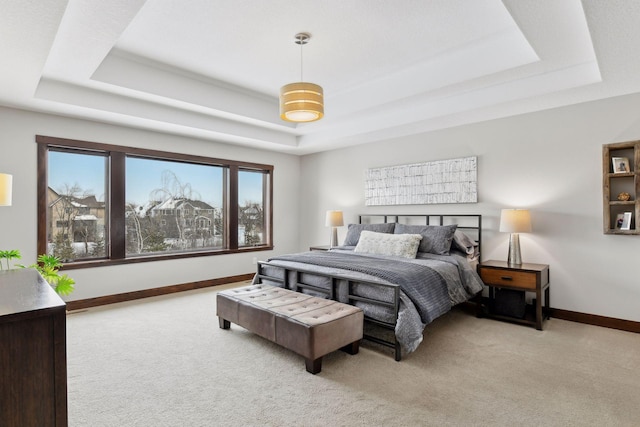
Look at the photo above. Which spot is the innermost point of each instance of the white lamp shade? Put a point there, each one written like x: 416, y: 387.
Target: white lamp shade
x: 334, y: 219
x: 515, y: 221
x: 6, y: 182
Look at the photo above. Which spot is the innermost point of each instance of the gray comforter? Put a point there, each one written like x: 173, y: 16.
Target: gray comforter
x: 422, y: 284
x: 430, y: 284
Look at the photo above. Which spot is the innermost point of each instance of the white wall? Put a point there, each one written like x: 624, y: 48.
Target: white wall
x: 18, y: 223
x: 549, y: 162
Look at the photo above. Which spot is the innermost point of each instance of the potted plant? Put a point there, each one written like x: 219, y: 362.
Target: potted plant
x: 48, y: 266
x: 8, y: 256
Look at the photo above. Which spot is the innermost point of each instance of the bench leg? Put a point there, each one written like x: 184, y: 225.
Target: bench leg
x: 313, y: 366
x: 224, y: 324
x: 352, y: 348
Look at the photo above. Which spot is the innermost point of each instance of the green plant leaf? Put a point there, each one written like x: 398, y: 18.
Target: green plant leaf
x: 49, y: 274
x: 65, y: 285
x: 9, y: 255
x: 47, y: 266
x: 49, y: 261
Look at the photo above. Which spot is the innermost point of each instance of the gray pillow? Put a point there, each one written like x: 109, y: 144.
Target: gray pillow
x: 354, y: 230
x: 465, y: 244
x: 436, y: 239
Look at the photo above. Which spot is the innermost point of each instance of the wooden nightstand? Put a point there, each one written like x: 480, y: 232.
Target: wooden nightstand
x: 320, y: 248
x: 525, y: 277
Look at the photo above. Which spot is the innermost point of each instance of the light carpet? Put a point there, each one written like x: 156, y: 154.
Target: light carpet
x: 163, y: 361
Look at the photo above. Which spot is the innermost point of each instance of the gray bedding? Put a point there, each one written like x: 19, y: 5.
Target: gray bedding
x: 431, y: 284
x: 422, y: 284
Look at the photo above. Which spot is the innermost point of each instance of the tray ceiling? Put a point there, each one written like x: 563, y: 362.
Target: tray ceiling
x: 212, y: 69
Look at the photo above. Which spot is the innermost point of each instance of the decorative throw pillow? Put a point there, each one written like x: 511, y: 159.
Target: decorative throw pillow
x: 436, y: 239
x: 402, y: 245
x: 465, y: 244
x: 354, y: 230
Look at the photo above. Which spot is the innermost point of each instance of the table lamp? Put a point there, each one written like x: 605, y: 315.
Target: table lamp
x: 515, y: 221
x: 334, y: 220
x: 6, y: 181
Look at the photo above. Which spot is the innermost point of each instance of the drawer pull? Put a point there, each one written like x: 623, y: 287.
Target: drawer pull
x: 506, y: 277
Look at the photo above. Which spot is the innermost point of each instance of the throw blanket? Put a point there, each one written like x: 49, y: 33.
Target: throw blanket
x: 423, y: 285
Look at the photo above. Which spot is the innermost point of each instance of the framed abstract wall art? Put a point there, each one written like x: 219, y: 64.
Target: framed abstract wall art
x: 435, y: 182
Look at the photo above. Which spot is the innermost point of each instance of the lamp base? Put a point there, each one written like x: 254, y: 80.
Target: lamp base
x: 334, y: 237
x: 514, y: 250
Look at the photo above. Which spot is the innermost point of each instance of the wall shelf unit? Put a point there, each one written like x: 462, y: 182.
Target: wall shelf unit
x: 620, y: 175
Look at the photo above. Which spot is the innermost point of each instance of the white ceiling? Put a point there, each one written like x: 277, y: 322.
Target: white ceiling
x: 213, y: 69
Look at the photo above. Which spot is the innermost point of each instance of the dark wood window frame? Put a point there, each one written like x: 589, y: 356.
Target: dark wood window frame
x: 116, y: 183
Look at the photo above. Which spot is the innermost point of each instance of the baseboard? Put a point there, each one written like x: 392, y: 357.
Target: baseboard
x: 574, y: 316
x: 145, y: 293
x: 592, y: 319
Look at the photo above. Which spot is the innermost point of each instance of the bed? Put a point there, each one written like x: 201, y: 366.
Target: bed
x: 403, y: 271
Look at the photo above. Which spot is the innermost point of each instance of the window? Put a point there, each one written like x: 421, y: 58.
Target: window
x: 108, y: 204
x: 251, y: 218
x: 76, y: 205
x: 163, y: 199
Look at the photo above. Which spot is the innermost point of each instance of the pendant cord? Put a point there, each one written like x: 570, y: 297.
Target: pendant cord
x: 302, y: 39
x: 301, y: 64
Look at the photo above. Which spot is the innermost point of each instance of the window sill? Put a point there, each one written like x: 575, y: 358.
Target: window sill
x: 164, y: 257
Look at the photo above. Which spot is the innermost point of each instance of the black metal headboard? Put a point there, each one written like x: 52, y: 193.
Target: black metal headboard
x: 469, y: 224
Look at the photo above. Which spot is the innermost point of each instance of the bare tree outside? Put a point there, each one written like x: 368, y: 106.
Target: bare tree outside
x: 76, y: 223
x: 251, y: 217
x: 64, y: 210
x: 174, y: 190
x: 135, y: 239
x: 144, y: 234
x: 173, y: 219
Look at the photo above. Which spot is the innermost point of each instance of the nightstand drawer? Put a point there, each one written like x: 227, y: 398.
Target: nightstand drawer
x: 514, y: 279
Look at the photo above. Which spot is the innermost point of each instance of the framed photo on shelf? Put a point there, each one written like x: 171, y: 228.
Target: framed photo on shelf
x: 620, y: 164
x: 623, y: 221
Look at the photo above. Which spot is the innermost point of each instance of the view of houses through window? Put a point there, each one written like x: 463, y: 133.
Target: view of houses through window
x: 170, y: 206
x: 251, y: 208
x: 77, y: 213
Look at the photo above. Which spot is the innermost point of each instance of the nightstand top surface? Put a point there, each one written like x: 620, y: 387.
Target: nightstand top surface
x: 525, y: 266
x: 320, y: 247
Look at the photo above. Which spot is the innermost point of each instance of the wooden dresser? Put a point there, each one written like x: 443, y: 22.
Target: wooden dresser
x: 33, y: 356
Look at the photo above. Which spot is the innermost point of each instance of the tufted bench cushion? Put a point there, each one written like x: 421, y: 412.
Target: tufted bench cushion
x: 307, y: 325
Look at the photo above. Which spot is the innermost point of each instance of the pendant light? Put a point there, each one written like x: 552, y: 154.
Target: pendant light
x: 302, y: 101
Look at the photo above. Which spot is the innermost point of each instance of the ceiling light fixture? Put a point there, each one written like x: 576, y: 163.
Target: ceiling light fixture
x: 302, y: 101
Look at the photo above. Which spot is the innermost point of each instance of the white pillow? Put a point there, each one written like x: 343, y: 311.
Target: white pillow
x: 402, y: 245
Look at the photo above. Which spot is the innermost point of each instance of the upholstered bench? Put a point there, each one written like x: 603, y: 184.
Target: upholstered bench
x: 307, y: 325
